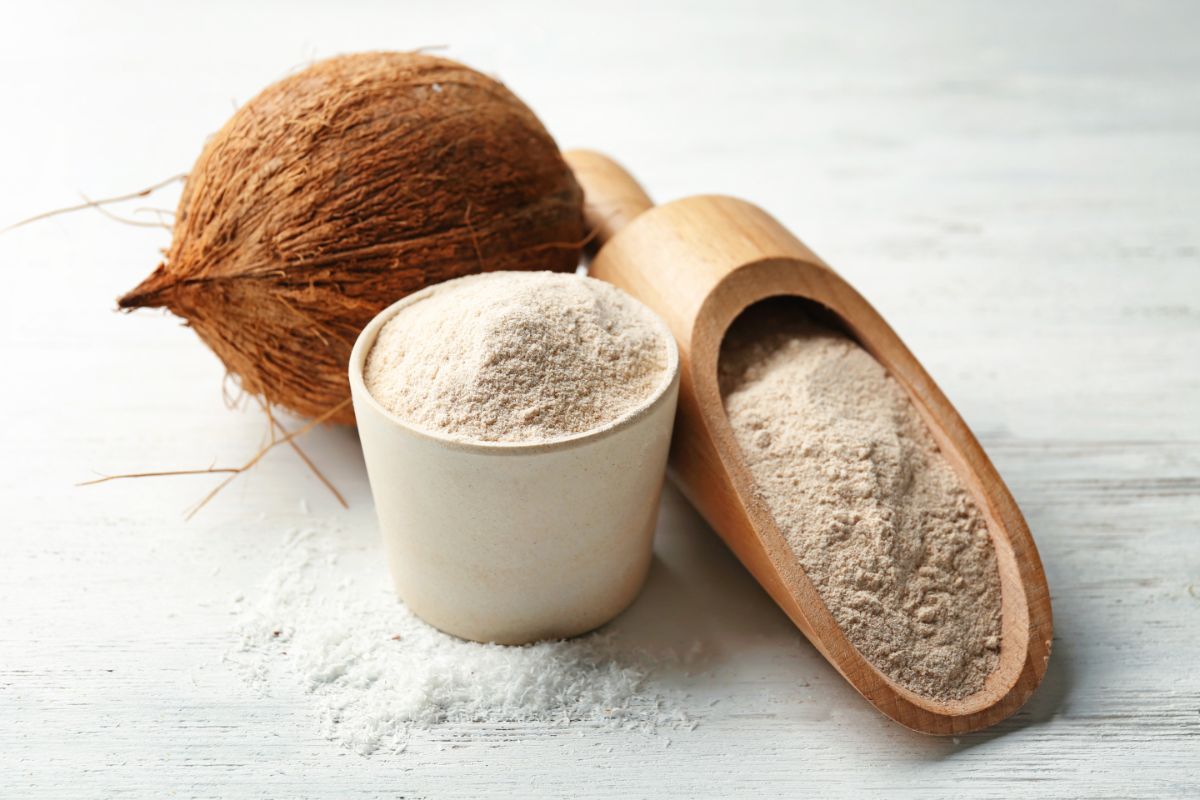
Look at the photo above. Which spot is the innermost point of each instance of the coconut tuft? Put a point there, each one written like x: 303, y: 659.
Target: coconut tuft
x: 341, y: 189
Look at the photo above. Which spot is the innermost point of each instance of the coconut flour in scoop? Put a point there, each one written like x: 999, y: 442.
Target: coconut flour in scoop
x: 876, y: 515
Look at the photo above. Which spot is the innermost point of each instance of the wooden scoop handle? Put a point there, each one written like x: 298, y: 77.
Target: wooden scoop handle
x: 612, y: 198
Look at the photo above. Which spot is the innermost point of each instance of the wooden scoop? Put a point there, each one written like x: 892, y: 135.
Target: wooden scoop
x: 700, y: 262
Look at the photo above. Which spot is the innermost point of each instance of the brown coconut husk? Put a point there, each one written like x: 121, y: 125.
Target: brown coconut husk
x: 343, y: 188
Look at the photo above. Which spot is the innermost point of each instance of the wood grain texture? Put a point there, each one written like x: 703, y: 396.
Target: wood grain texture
x: 702, y: 261
x: 1013, y: 186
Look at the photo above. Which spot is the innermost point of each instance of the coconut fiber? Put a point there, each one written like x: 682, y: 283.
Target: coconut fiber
x: 339, y: 190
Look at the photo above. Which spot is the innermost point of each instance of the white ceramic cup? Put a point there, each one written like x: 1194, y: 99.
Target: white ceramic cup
x: 513, y: 542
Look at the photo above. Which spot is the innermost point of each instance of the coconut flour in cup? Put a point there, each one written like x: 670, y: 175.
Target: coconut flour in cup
x: 517, y: 357
x: 515, y: 428
x: 877, y: 517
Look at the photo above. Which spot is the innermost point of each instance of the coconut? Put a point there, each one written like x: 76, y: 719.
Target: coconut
x: 341, y: 189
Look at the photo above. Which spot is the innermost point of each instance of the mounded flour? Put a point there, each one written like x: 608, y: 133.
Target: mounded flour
x: 517, y: 357
x: 326, y: 624
x: 876, y: 515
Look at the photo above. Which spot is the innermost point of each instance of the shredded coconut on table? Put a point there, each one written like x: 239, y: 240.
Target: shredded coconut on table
x: 327, y: 622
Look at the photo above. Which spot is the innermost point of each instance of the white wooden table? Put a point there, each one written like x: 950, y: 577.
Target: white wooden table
x: 1015, y: 186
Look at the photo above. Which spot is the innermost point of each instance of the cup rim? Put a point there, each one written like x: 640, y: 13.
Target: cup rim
x: 360, y: 393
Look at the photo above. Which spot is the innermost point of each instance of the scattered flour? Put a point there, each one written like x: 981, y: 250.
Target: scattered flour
x: 327, y: 622
x: 876, y: 515
x: 517, y: 356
